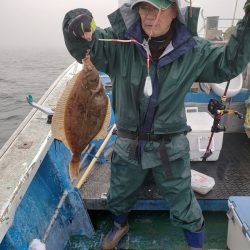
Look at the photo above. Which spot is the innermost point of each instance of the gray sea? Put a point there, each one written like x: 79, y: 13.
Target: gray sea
x: 22, y: 73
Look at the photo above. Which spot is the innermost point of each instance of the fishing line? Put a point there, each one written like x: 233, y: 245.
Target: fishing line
x: 148, y: 83
x: 155, y: 22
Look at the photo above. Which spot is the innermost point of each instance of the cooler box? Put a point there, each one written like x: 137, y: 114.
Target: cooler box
x: 201, y: 124
x: 238, y: 236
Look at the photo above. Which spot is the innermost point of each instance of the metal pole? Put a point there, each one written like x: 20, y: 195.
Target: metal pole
x: 92, y: 163
x: 54, y: 217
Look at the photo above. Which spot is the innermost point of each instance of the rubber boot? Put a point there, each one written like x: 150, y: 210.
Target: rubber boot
x: 195, y: 240
x: 116, y: 233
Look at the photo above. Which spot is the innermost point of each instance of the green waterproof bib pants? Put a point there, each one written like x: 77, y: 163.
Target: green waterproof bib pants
x: 128, y: 175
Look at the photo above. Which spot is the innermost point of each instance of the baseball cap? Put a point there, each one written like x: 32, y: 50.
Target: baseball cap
x: 156, y: 3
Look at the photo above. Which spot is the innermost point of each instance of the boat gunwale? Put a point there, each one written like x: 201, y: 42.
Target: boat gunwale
x: 11, y: 202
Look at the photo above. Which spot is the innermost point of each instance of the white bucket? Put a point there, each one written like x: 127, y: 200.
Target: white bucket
x: 233, y: 89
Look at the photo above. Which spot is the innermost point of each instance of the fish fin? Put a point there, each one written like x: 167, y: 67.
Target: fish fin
x: 104, y: 129
x: 57, y: 126
x: 74, y: 167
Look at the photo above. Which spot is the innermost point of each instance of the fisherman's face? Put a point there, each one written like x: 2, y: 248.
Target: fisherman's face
x: 154, y: 22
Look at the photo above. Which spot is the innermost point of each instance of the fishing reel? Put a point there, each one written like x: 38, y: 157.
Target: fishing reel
x: 218, y: 109
x: 215, y: 106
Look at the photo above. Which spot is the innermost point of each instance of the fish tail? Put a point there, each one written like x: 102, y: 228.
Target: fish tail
x: 74, y: 167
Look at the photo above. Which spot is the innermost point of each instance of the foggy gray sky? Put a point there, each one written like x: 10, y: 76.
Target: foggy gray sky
x: 37, y: 23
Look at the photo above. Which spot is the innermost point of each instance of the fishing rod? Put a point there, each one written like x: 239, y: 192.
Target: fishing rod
x: 235, y: 8
x: 218, y: 108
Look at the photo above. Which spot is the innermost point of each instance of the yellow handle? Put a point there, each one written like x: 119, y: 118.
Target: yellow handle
x: 92, y: 163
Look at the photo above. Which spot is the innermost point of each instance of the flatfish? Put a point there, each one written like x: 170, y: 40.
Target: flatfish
x: 82, y: 113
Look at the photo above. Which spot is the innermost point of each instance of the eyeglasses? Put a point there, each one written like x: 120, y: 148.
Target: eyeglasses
x: 145, y: 10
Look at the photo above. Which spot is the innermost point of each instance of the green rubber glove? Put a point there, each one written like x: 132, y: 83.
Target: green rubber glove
x: 83, y: 26
x: 247, y: 7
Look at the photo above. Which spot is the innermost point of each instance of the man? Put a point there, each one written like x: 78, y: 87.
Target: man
x: 150, y: 79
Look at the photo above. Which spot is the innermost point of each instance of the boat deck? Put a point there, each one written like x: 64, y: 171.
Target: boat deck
x: 231, y: 173
x: 152, y: 230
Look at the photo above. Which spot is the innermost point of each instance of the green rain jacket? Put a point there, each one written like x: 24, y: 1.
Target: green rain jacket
x: 187, y: 59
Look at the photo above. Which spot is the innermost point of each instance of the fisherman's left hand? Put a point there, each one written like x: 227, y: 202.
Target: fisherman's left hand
x: 83, y: 26
x: 247, y: 7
